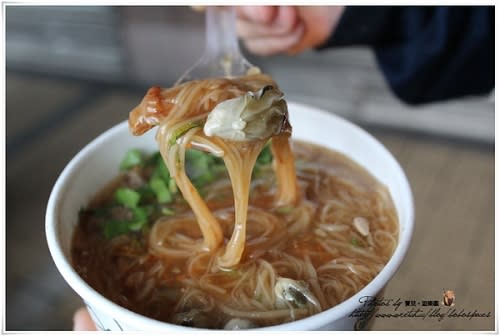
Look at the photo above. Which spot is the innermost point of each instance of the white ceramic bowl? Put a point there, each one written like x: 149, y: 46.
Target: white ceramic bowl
x: 96, y: 164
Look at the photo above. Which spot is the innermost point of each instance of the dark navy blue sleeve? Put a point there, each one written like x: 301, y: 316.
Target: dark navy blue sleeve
x: 425, y: 53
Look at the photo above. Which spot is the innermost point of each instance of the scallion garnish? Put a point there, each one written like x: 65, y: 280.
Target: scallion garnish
x: 265, y: 156
x: 284, y: 209
x: 202, y: 168
x: 199, y: 167
x: 132, y: 158
x: 162, y: 192
x: 167, y: 211
x: 183, y: 129
x: 127, y: 197
x: 162, y: 171
x: 115, y: 228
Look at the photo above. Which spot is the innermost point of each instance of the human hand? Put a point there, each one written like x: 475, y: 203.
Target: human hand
x: 267, y: 30
x: 82, y: 321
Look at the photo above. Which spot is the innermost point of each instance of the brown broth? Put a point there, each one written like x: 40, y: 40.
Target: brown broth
x: 126, y: 271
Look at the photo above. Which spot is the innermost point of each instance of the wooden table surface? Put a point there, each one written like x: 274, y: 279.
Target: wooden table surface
x: 49, y: 120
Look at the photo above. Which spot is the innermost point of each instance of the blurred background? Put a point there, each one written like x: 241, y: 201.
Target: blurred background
x: 73, y: 72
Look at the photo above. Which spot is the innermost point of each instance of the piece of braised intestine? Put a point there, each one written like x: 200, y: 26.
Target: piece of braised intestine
x: 231, y: 118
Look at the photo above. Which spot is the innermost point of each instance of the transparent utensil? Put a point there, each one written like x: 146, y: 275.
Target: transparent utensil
x: 222, y: 56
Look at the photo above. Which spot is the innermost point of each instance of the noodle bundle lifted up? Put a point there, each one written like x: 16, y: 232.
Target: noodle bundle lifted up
x: 225, y: 227
x: 229, y: 118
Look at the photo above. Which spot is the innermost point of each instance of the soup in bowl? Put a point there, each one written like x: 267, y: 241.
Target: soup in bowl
x: 308, y: 268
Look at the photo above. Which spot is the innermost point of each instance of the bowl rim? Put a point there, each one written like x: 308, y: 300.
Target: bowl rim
x: 90, y: 295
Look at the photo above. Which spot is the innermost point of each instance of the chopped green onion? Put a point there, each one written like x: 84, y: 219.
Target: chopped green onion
x: 204, y: 179
x: 141, y: 213
x: 132, y: 158
x: 136, y: 225
x: 162, y: 171
x: 154, y: 158
x: 183, y: 129
x: 197, y: 162
x: 115, y: 228
x: 199, y: 167
x: 265, y: 156
x: 140, y: 218
x: 218, y: 167
x: 355, y: 242
x: 127, y: 197
x: 160, y: 189
x: 145, y: 191
x: 167, y: 211
x: 263, y: 160
x: 285, y: 209
x: 202, y: 168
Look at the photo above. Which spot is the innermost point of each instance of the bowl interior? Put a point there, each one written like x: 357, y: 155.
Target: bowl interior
x: 97, y: 163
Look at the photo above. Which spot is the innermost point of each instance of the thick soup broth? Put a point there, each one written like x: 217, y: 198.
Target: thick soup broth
x: 298, y: 260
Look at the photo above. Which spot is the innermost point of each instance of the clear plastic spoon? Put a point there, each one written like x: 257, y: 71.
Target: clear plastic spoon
x: 222, y: 56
